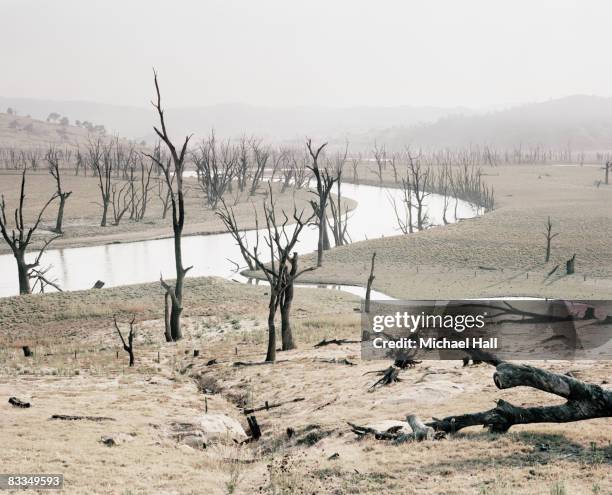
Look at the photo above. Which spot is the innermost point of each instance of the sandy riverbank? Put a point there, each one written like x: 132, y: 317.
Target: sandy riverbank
x: 451, y: 261
x: 83, y: 212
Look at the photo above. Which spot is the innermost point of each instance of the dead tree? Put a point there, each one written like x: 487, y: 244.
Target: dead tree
x: 142, y: 196
x: 216, y: 165
x: 325, y: 183
x: 420, y: 187
x: 355, y: 164
x: 20, y: 237
x: 607, y: 168
x: 549, y: 237
x: 282, y: 269
x: 404, y: 215
x: 53, y: 158
x: 101, y: 162
x: 338, y: 213
x: 261, y: 154
x: 369, y: 285
x: 584, y: 401
x: 380, y: 156
x: 129, y: 345
x: 173, y: 176
x: 121, y: 201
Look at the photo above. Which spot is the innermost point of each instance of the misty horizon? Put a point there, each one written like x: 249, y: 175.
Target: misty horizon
x: 340, y: 54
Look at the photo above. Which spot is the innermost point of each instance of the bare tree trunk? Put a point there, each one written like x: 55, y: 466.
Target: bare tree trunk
x: 168, y: 331
x: 60, y: 214
x: 369, y: 286
x: 285, y: 306
x: 271, y: 353
x: 24, y: 277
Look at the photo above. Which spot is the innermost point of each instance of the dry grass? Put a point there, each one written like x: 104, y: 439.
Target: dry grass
x: 226, y: 321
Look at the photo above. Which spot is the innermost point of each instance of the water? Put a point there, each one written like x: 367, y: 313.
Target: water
x: 143, y: 261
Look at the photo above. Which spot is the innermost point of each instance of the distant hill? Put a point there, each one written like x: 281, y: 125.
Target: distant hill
x: 580, y: 122
x: 232, y: 120
x: 25, y: 132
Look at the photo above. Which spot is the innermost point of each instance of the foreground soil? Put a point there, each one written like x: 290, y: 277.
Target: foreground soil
x: 502, y: 252
x: 79, y: 369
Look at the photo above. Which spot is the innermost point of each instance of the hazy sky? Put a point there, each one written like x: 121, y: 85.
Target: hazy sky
x: 287, y: 52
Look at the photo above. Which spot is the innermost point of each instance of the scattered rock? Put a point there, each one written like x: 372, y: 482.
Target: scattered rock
x: 117, y: 439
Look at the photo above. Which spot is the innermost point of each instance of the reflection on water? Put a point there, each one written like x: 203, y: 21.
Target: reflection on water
x: 137, y: 262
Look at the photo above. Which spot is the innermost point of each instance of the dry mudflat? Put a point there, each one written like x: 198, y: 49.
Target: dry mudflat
x: 502, y: 252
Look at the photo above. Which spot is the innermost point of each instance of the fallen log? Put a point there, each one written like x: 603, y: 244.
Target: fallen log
x: 584, y: 401
x: 66, y: 417
x: 267, y: 406
x: 15, y: 402
x: 420, y: 431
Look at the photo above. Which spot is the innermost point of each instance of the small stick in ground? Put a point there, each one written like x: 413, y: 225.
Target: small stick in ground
x: 129, y: 346
x: 369, y: 285
x: 254, y: 428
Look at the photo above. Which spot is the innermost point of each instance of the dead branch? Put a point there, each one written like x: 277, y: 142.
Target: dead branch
x: 584, y: 401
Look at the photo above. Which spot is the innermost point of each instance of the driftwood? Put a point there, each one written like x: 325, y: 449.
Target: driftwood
x: 389, y: 376
x: 584, y: 401
x: 268, y: 406
x: 336, y: 361
x: 405, y: 363
x: 420, y: 431
x: 258, y: 363
x: 325, y: 342
x: 66, y: 417
x: 15, y: 402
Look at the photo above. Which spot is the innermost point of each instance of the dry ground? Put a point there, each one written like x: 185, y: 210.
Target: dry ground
x: 226, y: 321
x: 444, y: 262
x: 83, y: 214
